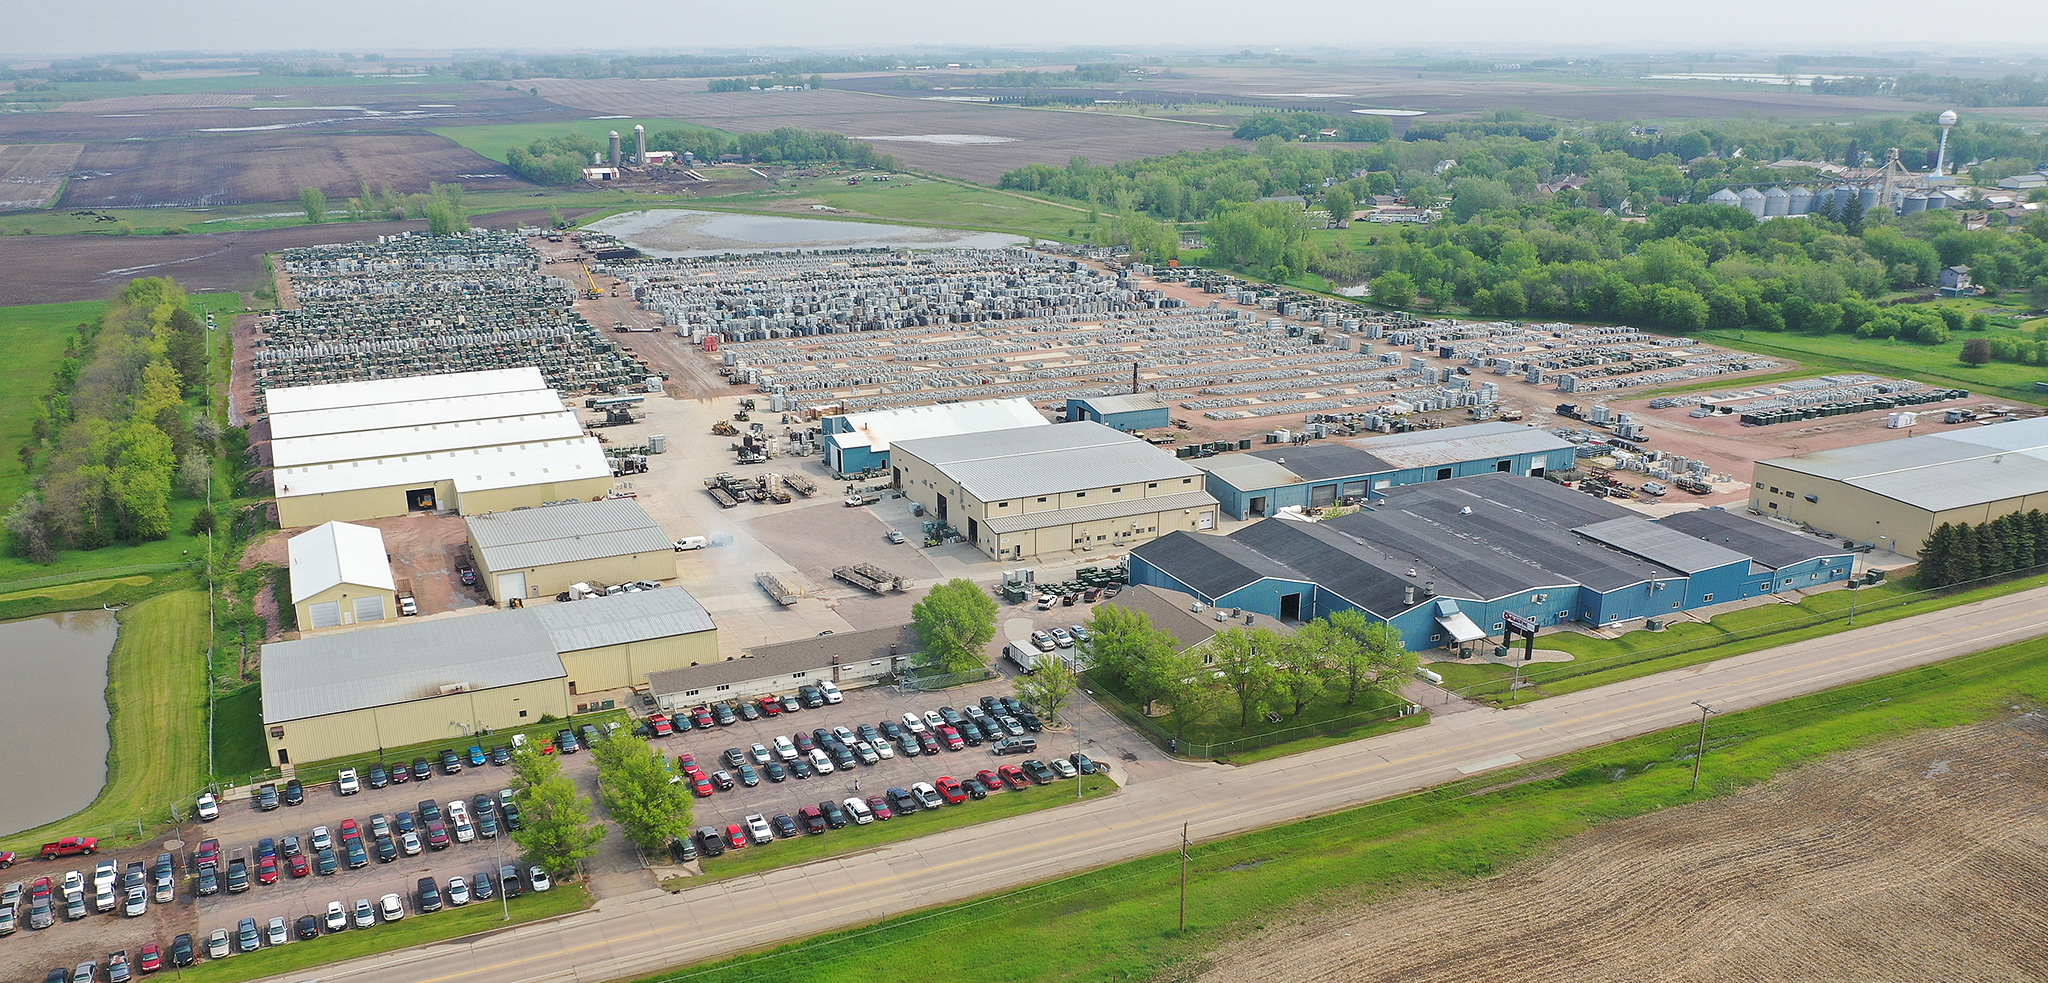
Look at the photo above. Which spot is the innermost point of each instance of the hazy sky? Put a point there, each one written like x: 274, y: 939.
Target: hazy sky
x: 884, y: 25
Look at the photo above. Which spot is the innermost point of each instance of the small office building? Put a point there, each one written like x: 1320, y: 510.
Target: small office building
x: 1041, y: 490
x: 340, y: 575
x: 856, y: 442
x: 532, y: 553
x: 1313, y: 475
x: 847, y: 659
x: 1443, y: 561
x: 453, y: 677
x: 1129, y: 412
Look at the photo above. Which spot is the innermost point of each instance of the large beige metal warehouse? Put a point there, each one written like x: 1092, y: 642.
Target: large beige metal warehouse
x: 465, y: 442
x: 1893, y: 493
x: 341, y: 576
x: 847, y: 659
x: 451, y: 677
x: 1039, y: 490
x: 533, y: 553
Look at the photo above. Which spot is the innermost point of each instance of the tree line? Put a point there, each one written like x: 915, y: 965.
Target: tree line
x: 765, y: 82
x: 1310, y: 126
x: 561, y: 159
x: 113, y: 440
x: 1957, y: 553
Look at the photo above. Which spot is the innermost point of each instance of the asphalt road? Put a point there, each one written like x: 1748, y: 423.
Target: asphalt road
x: 637, y: 934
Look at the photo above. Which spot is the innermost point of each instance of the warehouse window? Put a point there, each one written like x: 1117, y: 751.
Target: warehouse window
x: 799, y: 675
x: 1788, y: 493
x: 1774, y: 505
x: 1100, y: 538
x: 1436, y: 638
x: 693, y: 692
x: 1813, y: 498
x: 1002, y: 505
x: 1707, y: 598
x: 522, y: 713
x: 1152, y: 485
x: 1187, y: 481
x: 1041, y: 498
x: 1115, y: 490
x: 1774, y: 489
x: 1080, y: 494
x: 1443, y: 474
x: 724, y: 686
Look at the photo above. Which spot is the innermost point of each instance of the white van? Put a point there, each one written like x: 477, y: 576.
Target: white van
x: 691, y: 543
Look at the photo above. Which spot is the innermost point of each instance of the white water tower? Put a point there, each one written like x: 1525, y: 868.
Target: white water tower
x: 1947, y: 121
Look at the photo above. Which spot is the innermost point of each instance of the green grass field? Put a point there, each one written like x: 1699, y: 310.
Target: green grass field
x: 1938, y: 365
x: 853, y: 839
x: 1119, y: 922
x: 157, y: 687
x: 238, y: 748
x: 493, y: 140
x: 449, y: 923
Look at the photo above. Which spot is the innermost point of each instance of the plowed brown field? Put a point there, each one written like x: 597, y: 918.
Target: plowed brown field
x: 30, y: 175
x: 1921, y: 859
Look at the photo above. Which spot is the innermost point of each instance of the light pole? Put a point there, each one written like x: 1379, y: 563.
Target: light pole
x: 1702, y: 750
x: 1852, y: 603
x: 498, y: 854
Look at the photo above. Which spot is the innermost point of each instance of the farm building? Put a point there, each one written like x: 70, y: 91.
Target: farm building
x: 1038, y: 490
x: 341, y: 576
x: 1444, y: 560
x: 1127, y: 412
x: 1893, y: 493
x: 847, y: 659
x: 531, y: 553
x: 465, y: 442
x: 856, y: 442
x: 451, y: 678
x: 1262, y: 482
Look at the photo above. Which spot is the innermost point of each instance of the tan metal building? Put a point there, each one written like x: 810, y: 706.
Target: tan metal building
x: 1040, y: 490
x: 467, y: 442
x: 1894, y: 493
x: 533, y: 553
x: 453, y: 677
x: 847, y: 659
x: 341, y: 576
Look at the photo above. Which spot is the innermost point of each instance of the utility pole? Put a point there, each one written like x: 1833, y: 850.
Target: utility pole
x: 1702, y: 751
x: 1183, y: 878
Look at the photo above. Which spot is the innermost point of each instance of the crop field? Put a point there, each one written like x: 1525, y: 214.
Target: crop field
x: 976, y: 142
x: 273, y: 166
x: 1859, y: 867
x: 31, y: 175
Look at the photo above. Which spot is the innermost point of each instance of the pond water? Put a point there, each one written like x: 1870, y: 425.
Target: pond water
x: 673, y: 233
x: 53, y: 715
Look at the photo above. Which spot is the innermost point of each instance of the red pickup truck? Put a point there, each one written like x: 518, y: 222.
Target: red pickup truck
x: 70, y: 846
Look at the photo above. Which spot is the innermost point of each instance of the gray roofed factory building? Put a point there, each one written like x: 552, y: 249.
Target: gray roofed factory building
x: 1444, y: 560
x: 847, y: 659
x: 1893, y: 493
x: 1265, y: 481
x: 454, y: 676
x: 539, y: 552
x: 1040, y: 490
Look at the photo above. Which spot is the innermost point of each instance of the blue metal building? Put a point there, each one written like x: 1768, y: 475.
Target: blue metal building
x: 1262, y: 482
x: 856, y: 442
x: 1444, y: 560
x: 1128, y: 412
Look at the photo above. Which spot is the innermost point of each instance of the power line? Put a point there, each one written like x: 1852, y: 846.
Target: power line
x: 1702, y: 751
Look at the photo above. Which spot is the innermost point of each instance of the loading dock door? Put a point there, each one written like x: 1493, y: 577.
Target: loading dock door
x: 1290, y: 607
x: 511, y: 585
x: 1322, y: 496
x: 420, y: 500
x: 369, y: 609
x: 326, y: 614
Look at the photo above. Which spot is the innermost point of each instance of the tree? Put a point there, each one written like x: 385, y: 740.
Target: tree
x: 1976, y: 351
x: 1245, y: 661
x: 955, y: 622
x: 1935, y: 555
x: 1187, y: 686
x: 1373, y: 654
x: 1341, y: 205
x: 1049, y: 688
x: 314, y: 202
x: 1126, y: 646
x: 1301, y: 673
x: 555, y: 219
x: 558, y: 833
x: 641, y: 794
x: 1395, y: 289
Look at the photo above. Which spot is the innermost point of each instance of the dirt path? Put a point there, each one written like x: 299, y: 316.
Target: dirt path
x: 1919, y: 859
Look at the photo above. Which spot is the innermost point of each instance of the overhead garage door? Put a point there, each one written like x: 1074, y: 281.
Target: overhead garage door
x: 369, y: 609
x: 1322, y: 495
x: 326, y: 614
x: 511, y: 585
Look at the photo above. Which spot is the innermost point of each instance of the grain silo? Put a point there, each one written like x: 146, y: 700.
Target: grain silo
x: 1913, y: 202
x: 1753, y: 200
x: 615, y: 148
x: 1776, y: 202
x: 1799, y: 200
x: 1725, y: 197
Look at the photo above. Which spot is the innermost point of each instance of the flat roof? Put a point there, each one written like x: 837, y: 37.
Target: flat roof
x: 1769, y: 544
x: 338, y: 553
x: 1948, y: 469
x: 566, y: 533
x: 411, y: 660
x: 1477, y: 441
x: 370, y: 392
x: 413, y: 412
x: 473, y: 469
x: 881, y: 428
x: 1107, y: 510
x: 1249, y: 472
x: 1006, y: 464
x: 1660, y: 544
x: 618, y: 619
x: 783, y: 658
x: 1321, y: 462
x: 1122, y: 402
x: 423, y: 438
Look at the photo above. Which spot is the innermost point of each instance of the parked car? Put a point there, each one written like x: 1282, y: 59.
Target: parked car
x: 451, y: 763
x: 337, y: 917
x: 307, y: 927
x: 378, y: 777
x: 364, y: 915
x: 295, y: 793
x: 835, y: 816
x: 927, y: 797
x: 430, y: 896
x: 345, y: 782
x: 537, y: 879
x: 1063, y: 768
x: 480, y: 886
x: 784, y: 825
x: 238, y: 876
x: 476, y: 756
x: 182, y: 951
x: 458, y: 892
x: 421, y: 770
x: 1083, y: 763
x: 509, y: 884
x: 275, y: 933
x: 813, y: 819
x: 266, y: 796
x: 757, y: 829
x: 1014, y: 777
x: 218, y: 945
x: 710, y: 841
x: 248, y: 938
x: 857, y: 810
x: 391, y: 907
x: 830, y: 690
x: 949, y: 788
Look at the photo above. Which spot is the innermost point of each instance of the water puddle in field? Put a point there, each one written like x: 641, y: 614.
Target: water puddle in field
x: 53, y: 715
x: 679, y: 232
